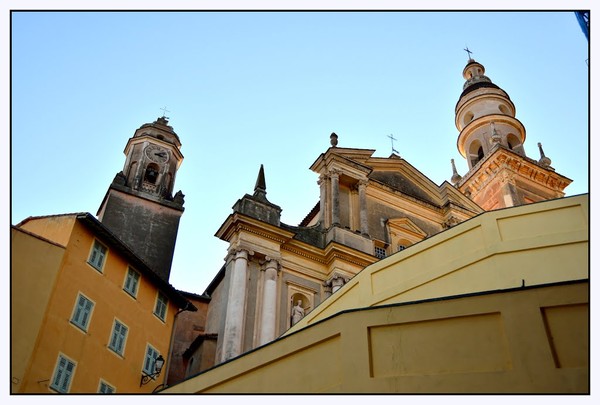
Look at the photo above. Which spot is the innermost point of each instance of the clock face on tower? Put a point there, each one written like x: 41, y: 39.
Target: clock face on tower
x: 157, y: 154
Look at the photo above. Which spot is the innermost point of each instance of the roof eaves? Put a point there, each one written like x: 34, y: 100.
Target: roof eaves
x: 98, y: 228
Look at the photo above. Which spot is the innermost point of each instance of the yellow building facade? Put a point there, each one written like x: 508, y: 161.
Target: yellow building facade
x: 496, y: 304
x: 87, y: 315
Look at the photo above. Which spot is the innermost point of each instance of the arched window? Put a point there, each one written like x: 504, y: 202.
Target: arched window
x: 151, y: 173
x: 475, y: 152
x: 514, y: 143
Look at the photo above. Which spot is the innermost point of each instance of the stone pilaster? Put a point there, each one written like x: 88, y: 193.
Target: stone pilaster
x: 322, y: 182
x: 335, y: 197
x: 362, y: 201
x: 139, y: 172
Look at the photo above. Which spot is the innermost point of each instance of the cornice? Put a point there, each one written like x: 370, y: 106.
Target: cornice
x: 150, y: 139
x: 516, y: 166
x: 484, y: 121
x: 237, y: 222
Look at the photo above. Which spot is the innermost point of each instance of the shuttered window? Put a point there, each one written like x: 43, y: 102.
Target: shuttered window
x: 63, y: 375
x: 160, y: 310
x: 117, y: 340
x: 97, y: 256
x: 132, y: 282
x: 82, y: 312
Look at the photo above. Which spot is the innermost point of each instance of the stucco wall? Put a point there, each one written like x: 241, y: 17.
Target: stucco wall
x: 528, y: 340
x: 35, y: 264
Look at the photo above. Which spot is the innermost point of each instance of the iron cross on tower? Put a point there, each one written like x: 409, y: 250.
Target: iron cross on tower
x: 165, y: 111
x: 468, y: 52
x: 393, y: 139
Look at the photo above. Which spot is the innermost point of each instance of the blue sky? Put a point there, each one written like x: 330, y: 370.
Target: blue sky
x: 251, y: 88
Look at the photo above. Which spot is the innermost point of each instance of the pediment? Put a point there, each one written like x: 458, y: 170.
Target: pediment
x: 404, y: 226
x: 400, y: 175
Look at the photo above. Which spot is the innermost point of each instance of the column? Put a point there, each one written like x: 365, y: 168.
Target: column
x: 322, y: 182
x: 335, y: 197
x: 362, y: 201
x: 236, y: 300
x: 269, y: 302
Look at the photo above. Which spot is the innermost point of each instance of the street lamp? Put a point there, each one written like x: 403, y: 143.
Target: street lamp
x: 158, y: 365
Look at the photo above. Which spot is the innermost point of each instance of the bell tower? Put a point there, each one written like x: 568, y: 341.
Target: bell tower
x: 139, y: 206
x: 492, y: 140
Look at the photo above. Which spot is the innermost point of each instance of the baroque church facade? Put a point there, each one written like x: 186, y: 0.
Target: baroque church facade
x: 369, y: 208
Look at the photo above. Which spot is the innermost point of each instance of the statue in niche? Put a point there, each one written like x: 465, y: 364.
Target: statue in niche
x: 298, y: 312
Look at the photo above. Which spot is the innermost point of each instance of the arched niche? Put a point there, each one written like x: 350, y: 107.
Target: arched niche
x: 299, y: 307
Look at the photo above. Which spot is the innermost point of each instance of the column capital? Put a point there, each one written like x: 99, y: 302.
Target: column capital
x: 322, y: 178
x: 362, y: 183
x: 271, y: 263
x: 237, y: 252
x: 336, y: 277
x: 334, y: 173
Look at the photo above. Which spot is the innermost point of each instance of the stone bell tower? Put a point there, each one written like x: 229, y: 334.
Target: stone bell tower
x: 139, y: 206
x: 492, y: 140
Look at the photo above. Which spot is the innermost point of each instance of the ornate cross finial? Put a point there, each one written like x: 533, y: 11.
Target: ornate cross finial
x: 391, y: 136
x: 468, y: 52
x: 165, y: 111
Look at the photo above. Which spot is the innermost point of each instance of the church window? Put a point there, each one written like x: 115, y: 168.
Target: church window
x: 401, y: 248
x: 380, y: 252
x: 160, y: 310
x: 151, y: 173
x: 118, y: 337
x: 82, y: 313
x: 97, y: 256
x: 132, y: 280
x: 63, y: 374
